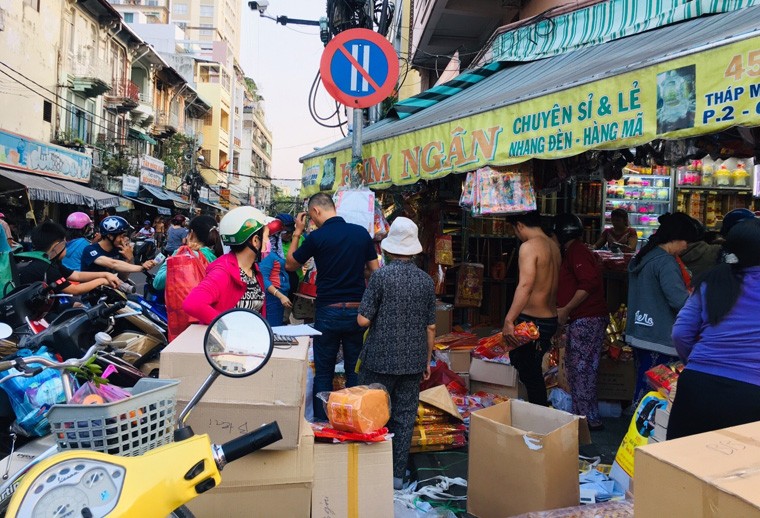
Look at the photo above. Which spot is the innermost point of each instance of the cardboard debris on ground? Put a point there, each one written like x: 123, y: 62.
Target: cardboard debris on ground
x: 439, y: 397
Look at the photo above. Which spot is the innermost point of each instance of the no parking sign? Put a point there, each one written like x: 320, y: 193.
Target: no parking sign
x: 359, y: 68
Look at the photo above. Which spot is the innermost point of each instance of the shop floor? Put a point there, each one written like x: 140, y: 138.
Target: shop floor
x: 453, y: 464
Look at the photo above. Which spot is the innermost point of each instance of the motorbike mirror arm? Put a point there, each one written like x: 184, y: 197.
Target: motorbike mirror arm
x: 183, y: 431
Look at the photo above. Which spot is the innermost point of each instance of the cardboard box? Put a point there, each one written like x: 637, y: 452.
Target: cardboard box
x: 615, y: 380
x: 443, y: 319
x: 275, y: 467
x: 265, y: 483
x: 459, y: 359
x: 522, y: 458
x: 352, y: 480
x: 291, y: 500
x: 466, y: 377
x: 492, y: 388
x: 490, y: 372
x: 710, y: 474
x: 234, y: 406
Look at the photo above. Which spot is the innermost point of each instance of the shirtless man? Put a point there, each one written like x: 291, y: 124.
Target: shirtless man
x: 535, y: 300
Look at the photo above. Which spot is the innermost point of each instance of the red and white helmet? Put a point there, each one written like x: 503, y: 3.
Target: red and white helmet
x: 78, y: 220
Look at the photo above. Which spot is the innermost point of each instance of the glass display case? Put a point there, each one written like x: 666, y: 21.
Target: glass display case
x: 644, y: 193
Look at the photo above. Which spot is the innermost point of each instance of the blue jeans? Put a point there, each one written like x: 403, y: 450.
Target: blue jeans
x: 339, y: 328
x: 275, y: 310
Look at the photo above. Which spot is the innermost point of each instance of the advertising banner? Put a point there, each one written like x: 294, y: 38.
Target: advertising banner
x: 31, y: 156
x: 130, y: 185
x: 151, y: 171
x: 698, y: 94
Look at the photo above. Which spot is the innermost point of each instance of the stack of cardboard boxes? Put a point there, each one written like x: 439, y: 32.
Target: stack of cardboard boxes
x: 290, y: 475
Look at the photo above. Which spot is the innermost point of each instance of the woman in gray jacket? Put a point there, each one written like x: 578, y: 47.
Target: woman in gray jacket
x: 656, y: 293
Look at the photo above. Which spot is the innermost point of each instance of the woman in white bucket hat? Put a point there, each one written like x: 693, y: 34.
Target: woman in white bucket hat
x: 399, y: 308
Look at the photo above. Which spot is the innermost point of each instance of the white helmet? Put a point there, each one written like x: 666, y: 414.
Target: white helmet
x: 239, y: 224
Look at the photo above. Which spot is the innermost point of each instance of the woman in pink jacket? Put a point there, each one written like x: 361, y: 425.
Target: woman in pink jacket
x: 233, y: 280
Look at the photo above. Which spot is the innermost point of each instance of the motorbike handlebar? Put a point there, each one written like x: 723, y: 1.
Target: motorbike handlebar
x: 21, y: 362
x: 250, y: 442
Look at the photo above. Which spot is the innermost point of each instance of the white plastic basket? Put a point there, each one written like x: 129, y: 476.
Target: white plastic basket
x: 129, y: 427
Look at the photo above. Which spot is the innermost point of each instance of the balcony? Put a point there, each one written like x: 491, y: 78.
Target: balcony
x: 89, y: 77
x: 123, y: 97
x: 165, y: 125
x: 144, y: 109
x: 443, y: 27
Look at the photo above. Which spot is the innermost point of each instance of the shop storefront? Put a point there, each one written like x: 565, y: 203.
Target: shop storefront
x: 40, y: 180
x: 628, y: 124
x: 148, y: 192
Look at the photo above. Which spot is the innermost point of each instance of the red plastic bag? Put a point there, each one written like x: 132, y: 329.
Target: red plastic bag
x: 440, y: 374
x: 184, y: 271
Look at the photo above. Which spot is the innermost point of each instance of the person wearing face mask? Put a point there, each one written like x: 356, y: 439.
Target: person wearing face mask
x: 113, y: 252
x: 49, y: 243
x: 80, y: 232
x: 233, y: 280
x: 656, y: 293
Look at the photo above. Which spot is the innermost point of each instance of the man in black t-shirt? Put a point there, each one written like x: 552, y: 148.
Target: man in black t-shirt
x: 342, y: 252
x: 49, y: 243
x: 114, y: 252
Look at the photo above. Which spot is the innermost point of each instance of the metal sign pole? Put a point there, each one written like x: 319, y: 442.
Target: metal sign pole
x: 357, y: 177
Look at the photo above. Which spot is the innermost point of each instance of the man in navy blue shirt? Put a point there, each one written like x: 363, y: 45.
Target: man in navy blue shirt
x: 341, y: 252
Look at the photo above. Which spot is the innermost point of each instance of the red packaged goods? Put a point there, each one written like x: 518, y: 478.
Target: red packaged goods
x: 664, y: 376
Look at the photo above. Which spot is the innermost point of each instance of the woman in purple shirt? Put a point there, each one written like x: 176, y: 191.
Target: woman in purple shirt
x: 716, y: 335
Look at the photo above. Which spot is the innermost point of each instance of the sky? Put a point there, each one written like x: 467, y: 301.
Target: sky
x: 283, y: 60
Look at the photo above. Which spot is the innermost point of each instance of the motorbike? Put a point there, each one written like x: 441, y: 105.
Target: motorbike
x: 25, y: 307
x: 23, y: 455
x: 238, y: 343
x: 144, y: 249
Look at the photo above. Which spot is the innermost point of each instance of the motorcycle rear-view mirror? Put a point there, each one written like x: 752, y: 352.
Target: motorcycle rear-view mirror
x: 238, y: 343
x: 5, y: 331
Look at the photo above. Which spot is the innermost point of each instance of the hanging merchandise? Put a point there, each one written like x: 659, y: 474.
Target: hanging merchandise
x: 381, y: 225
x: 488, y: 191
x: 357, y: 206
x: 444, y: 252
x: 469, y: 292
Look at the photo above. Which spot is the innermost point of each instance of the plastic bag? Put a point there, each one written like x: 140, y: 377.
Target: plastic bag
x: 360, y: 409
x: 32, y: 397
x: 357, y: 206
x: 381, y: 224
x: 91, y: 393
x: 184, y: 271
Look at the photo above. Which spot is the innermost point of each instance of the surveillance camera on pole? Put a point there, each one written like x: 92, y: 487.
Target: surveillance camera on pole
x: 260, y: 6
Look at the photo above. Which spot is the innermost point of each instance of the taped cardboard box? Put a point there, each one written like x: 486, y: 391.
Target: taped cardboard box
x: 237, y: 405
x: 491, y: 372
x: 352, y: 480
x: 522, y: 458
x: 710, y: 474
x: 265, y: 483
x: 286, y: 500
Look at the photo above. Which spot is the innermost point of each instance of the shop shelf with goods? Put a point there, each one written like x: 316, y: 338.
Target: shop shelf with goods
x: 645, y: 193
x: 490, y: 241
x: 707, y: 194
x: 587, y: 204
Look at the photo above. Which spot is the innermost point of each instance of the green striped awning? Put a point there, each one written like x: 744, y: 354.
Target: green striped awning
x: 606, y: 21
x: 137, y: 135
x: 438, y: 93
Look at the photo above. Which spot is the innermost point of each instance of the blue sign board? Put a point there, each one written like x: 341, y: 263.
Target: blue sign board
x: 31, y: 156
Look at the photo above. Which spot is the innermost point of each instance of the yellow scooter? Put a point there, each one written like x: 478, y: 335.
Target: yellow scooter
x: 84, y: 483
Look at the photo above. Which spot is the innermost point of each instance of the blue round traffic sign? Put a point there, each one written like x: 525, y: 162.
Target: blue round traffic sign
x: 359, y: 68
